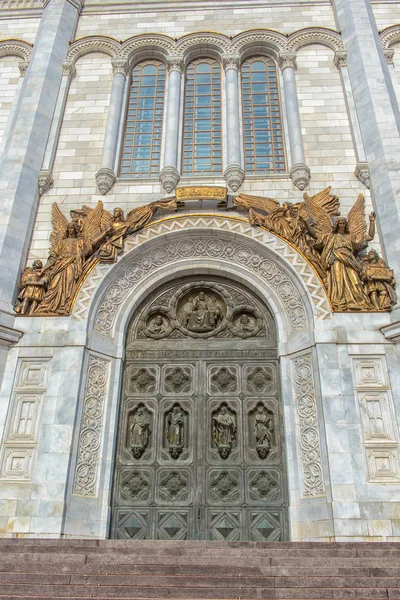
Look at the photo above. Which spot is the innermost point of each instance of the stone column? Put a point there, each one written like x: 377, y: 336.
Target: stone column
x: 299, y: 172
x: 105, y: 176
x: 379, y: 118
x: 169, y: 175
x: 234, y: 174
x: 361, y: 171
x: 45, y: 176
x: 25, y: 144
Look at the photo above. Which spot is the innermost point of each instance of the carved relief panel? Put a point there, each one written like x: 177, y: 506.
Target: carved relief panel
x: 200, y: 453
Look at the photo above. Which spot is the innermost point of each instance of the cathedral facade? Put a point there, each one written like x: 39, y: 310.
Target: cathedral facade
x: 199, y: 250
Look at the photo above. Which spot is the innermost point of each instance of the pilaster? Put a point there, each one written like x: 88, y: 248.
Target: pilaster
x: 378, y: 114
x: 234, y: 174
x: 169, y: 175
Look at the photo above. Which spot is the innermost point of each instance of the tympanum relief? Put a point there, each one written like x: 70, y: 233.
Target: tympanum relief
x: 202, y: 310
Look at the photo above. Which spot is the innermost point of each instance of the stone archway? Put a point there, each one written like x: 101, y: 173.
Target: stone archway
x: 200, y: 446
x: 201, y: 246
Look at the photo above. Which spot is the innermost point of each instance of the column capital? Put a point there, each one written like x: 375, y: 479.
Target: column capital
x: 120, y: 66
x: 340, y: 59
x: 231, y: 61
x: 68, y: 69
x: 287, y: 60
x: 175, y: 63
x: 389, y: 55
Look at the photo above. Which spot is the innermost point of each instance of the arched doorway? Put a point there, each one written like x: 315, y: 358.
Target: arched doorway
x: 200, y: 448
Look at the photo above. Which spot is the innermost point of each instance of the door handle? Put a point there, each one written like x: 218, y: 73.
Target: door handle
x: 198, y: 513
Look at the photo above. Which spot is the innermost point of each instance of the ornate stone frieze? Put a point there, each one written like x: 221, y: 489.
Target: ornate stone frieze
x: 91, y: 426
x: 108, y: 311
x: 18, y: 48
x: 303, y: 377
x: 168, y: 253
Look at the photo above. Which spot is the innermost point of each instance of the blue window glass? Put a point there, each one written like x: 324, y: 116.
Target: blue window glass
x: 202, y: 151
x: 262, y: 121
x: 142, y: 139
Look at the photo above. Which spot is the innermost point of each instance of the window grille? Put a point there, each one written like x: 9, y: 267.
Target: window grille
x: 262, y: 121
x: 202, y: 143
x: 143, y: 130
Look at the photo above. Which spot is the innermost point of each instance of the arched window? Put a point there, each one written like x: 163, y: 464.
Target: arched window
x: 202, y: 149
x: 262, y: 121
x: 143, y: 130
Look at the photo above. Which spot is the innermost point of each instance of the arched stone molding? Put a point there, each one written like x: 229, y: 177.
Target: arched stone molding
x: 258, y: 41
x: 144, y: 46
x: 17, y: 48
x: 390, y: 36
x: 296, y: 293
x: 314, y: 35
x: 190, y: 45
x: 96, y: 43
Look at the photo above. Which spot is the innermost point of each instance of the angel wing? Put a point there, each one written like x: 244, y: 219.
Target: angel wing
x: 106, y: 217
x: 91, y: 227
x: 327, y: 201
x: 59, y: 222
x: 356, y: 219
x: 311, y: 208
x: 245, y: 201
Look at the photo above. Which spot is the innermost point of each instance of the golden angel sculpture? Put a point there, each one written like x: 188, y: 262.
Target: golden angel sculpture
x: 92, y: 233
x: 330, y: 242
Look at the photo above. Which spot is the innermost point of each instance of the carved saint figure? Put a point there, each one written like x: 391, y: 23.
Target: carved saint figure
x: 224, y: 431
x: 156, y: 325
x: 263, y: 429
x: 245, y: 324
x: 139, y: 433
x: 379, y: 283
x: 201, y: 313
x: 174, y: 431
x: 32, y: 287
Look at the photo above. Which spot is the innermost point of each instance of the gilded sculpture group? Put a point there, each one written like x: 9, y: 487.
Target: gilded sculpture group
x: 334, y: 245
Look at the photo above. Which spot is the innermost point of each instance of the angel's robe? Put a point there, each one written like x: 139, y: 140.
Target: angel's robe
x: 345, y: 288
x: 68, y: 260
x: 109, y: 251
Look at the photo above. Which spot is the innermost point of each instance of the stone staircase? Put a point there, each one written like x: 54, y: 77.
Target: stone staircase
x: 83, y: 569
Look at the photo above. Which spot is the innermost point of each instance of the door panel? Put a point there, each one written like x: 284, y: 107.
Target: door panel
x: 200, y: 448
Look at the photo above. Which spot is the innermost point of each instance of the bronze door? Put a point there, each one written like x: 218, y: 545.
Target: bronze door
x: 200, y: 451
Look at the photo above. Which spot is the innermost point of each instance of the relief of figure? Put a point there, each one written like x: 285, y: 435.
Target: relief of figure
x: 174, y: 431
x: 263, y: 429
x: 156, y: 326
x: 139, y: 433
x: 32, y: 288
x: 339, y: 246
x: 201, y: 313
x: 71, y: 246
x: 379, y: 283
x: 224, y: 431
x: 245, y: 324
